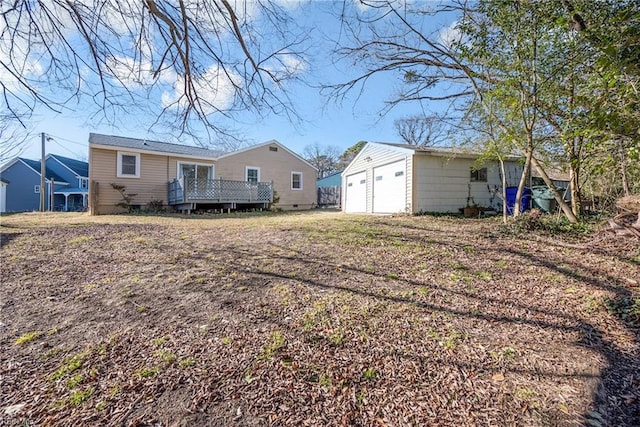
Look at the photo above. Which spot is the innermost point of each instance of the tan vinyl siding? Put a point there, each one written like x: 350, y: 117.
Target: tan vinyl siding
x: 443, y: 184
x: 274, y: 166
x: 155, y: 172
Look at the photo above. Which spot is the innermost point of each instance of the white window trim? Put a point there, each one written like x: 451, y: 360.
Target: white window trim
x: 36, y: 189
x: 210, y: 165
x: 83, y: 180
x: 119, y: 173
x: 246, y: 172
x: 301, y: 181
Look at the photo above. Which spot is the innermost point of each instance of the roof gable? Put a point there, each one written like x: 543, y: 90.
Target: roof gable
x: 34, y: 165
x: 264, y: 144
x: 78, y: 167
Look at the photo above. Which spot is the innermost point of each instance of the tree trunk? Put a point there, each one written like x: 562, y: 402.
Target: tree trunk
x: 563, y: 205
x: 623, y: 169
x: 576, y: 202
x: 504, y: 190
x: 522, y: 183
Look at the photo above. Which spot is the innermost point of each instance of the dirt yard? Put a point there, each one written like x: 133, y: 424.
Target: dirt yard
x: 312, y: 319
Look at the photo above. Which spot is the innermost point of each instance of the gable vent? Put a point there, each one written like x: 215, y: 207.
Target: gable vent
x: 273, y: 148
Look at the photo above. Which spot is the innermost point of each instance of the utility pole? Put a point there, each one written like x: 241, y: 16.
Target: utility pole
x: 43, y: 171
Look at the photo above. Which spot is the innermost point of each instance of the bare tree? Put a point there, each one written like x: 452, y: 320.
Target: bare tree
x: 323, y: 157
x: 420, y: 130
x: 473, y: 59
x: 12, y: 136
x: 202, y: 60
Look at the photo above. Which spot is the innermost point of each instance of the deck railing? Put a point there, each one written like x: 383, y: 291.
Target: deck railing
x: 190, y: 190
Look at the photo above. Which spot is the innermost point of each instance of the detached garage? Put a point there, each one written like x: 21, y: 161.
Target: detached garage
x: 387, y: 178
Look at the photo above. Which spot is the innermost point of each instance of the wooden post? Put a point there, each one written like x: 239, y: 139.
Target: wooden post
x: 52, y: 184
x: 43, y: 171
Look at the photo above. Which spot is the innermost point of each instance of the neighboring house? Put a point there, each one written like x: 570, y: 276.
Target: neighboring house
x: 3, y: 194
x: 330, y: 190
x: 391, y: 178
x: 74, y: 196
x: 186, y: 177
x: 66, y: 175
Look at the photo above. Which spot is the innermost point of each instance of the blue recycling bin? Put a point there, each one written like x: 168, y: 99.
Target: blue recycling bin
x: 525, y: 203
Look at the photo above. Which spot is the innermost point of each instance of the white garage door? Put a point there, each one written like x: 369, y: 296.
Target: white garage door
x: 390, y: 188
x: 356, y: 194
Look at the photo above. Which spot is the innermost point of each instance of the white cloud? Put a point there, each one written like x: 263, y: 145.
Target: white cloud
x: 215, y: 90
x: 132, y: 72
x: 450, y: 35
x: 287, y: 65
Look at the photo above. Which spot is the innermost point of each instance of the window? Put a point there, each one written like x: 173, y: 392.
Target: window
x: 379, y: 178
x: 273, y: 148
x: 83, y: 182
x: 399, y: 173
x: 479, y: 175
x: 197, y: 172
x: 252, y: 174
x: 296, y: 180
x: 36, y: 189
x: 128, y: 165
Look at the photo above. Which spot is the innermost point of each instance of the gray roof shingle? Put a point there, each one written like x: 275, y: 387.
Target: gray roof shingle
x: 147, y: 145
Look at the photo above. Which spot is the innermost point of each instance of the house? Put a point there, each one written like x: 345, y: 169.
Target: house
x: 3, y: 194
x: 391, y: 178
x: 73, y: 197
x: 330, y: 190
x: 181, y: 177
x: 69, y: 178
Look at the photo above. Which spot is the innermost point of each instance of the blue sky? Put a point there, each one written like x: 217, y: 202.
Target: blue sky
x: 322, y: 121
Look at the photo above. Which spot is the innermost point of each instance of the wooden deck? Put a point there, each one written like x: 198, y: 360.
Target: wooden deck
x: 186, y: 194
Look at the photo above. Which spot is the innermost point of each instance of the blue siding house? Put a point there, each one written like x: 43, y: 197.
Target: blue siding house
x: 69, y: 178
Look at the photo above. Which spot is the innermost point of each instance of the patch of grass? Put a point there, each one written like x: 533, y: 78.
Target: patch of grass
x: 361, y: 397
x: 165, y: 356
x: 188, y: 362
x: 79, y: 240
x: 276, y: 341
x: 148, y: 372
x: 484, y: 275
x: 452, y: 339
x: 159, y: 342
x: 423, y: 291
x: 27, y: 337
x: 79, y: 396
x: 325, y: 380
x: 70, y: 365
x: 74, y: 381
x: 525, y: 393
x: 459, y: 266
x: 226, y: 340
x: 114, y: 391
x: 505, y: 353
x: 501, y: 263
x: 337, y: 338
x: 370, y: 374
x: 392, y: 276
x: 591, y: 302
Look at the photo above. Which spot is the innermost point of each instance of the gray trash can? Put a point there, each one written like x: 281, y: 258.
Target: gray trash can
x: 543, y: 199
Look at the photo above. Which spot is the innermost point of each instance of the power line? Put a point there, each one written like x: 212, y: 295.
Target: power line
x: 84, y: 144
x: 64, y: 147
